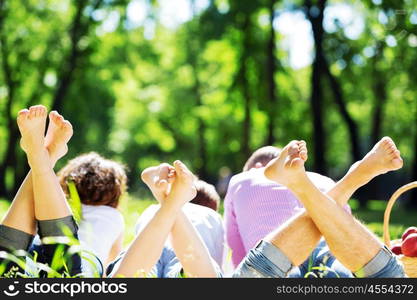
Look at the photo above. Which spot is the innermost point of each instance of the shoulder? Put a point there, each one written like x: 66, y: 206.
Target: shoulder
x: 146, y: 216
x: 103, y: 211
x: 150, y: 211
x: 194, y: 211
x: 251, y: 176
x: 322, y: 182
x: 100, y: 209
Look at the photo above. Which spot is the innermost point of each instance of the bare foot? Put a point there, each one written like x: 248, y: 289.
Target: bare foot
x: 383, y: 157
x: 58, y: 134
x: 183, y: 189
x: 159, y: 180
x: 31, y: 123
x: 289, y: 165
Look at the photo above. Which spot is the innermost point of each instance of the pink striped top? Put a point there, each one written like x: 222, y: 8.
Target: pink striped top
x: 255, y: 206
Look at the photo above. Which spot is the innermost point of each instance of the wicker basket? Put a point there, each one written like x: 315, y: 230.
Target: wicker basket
x: 410, y: 263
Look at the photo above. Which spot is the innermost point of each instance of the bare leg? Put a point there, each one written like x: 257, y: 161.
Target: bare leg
x: 351, y: 242
x: 50, y: 201
x: 21, y: 214
x: 299, y: 236
x: 51, y: 209
x: 147, y: 247
x: 188, y: 245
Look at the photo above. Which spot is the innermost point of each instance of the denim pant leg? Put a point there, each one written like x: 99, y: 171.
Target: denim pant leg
x: 384, y: 265
x: 265, y: 260
x: 321, y: 264
x: 12, y: 240
x: 58, y: 251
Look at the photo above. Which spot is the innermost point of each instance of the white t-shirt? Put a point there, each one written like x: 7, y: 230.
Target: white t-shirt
x: 207, y: 222
x: 99, y: 229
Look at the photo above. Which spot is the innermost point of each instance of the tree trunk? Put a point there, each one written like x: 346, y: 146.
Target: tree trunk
x: 202, y: 147
x: 9, y: 158
x: 373, y: 189
x: 271, y: 68
x: 78, y: 29
x: 380, y: 94
x: 350, y: 123
x: 246, y: 133
x: 319, y: 135
x: 193, y: 50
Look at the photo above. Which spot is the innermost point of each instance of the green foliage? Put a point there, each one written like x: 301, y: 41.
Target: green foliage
x: 148, y: 92
x: 131, y: 209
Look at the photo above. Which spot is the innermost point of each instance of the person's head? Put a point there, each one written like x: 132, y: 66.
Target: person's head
x: 206, y: 195
x: 261, y: 157
x: 98, y: 181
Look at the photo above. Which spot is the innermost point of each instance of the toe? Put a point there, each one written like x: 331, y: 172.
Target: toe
x: 66, y: 124
x: 32, y: 111
x: 287, y: 149
x: 179, y: 167
x: 53, y: 115
x: 296, y: 162
x: 162, y: 184
x: 42, y: 111
x: 22, y: 114
x: 386, y: 139
x: 396, y: 154
x: 387, y: 142
x: 303, y: 155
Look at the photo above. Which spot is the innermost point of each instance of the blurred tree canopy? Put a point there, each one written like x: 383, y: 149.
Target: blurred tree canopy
x: 210, y: 81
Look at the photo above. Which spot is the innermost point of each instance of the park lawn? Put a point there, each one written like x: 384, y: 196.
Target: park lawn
x: 401, y: 218
x: 130, y: 207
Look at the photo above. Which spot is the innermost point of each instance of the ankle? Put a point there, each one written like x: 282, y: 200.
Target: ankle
x: 298, y: 183
x: 40, y: 162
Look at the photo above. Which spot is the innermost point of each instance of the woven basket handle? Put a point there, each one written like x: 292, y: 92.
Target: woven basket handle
x: 394, y: 197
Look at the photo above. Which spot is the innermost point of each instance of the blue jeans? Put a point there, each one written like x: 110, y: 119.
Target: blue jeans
x: 168, y: 266
x: 12, y: 240
x: 321, y: 263
x: 266, y: 260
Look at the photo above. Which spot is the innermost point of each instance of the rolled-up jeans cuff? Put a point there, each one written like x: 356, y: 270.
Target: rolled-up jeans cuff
x: 13, y: 239
x: 276, y: 256
x: 57, y: 227
x: 376, y: 264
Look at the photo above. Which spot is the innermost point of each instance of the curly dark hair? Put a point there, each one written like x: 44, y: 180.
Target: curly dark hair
x: 206, y: 195
x: 99, y: 181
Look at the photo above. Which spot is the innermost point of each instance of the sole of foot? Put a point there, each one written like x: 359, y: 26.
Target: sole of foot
x: 289, y: 164
x: 58, y: 135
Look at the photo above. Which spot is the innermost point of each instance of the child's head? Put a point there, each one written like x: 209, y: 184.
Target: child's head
x: 261, y: 157
x: 99, y: 181
x: 206, y: 195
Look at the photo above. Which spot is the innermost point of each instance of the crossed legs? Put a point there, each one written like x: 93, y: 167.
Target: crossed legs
x: 21, y: 214
x: 172, y: 187
x: 40, y: 202
x: 382, y: 158
x: 349, y: 241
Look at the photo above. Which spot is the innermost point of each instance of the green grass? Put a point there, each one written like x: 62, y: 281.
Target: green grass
x: 372, y: 216
x: 130, y: 207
